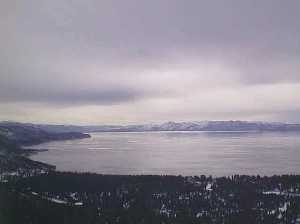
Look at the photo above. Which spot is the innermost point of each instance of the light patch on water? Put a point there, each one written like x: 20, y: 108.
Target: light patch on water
x: 177, y: 153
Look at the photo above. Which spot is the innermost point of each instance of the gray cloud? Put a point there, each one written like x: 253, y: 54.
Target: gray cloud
x: 142, y: 53
x: 75, y: 97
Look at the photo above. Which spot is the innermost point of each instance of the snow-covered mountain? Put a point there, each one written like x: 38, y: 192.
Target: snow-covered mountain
x: 174, y: 126
x: 215, y: 126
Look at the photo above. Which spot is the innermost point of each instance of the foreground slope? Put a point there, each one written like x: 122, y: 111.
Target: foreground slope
x: 66, y: 198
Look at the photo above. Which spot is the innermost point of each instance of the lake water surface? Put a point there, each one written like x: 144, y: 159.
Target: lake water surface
x: 185, y: 153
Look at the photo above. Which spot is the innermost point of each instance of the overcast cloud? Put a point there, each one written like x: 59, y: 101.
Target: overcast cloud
x: 140, y: 61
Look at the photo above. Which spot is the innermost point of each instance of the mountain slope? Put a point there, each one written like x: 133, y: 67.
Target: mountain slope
x: 7, y: 145
x: 27, y: 134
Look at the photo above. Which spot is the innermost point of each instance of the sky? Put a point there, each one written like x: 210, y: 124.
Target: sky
x: 140, y: 61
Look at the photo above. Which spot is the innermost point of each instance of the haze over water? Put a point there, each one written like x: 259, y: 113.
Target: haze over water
x: 174, y: 153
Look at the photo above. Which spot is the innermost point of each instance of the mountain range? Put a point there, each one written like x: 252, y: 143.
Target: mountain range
x: 230, y: 126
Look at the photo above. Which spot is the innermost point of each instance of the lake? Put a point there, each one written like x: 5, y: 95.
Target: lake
x: 177, y: 153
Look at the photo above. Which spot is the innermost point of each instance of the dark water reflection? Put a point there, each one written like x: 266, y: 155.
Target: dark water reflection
x: 185, y: 153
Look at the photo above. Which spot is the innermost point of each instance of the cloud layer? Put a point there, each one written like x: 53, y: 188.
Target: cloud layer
x: 148, y: 61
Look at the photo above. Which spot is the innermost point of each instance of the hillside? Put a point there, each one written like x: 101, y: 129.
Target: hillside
x: 7, y: 145
x: 15, y: 135
x: 27, y: 134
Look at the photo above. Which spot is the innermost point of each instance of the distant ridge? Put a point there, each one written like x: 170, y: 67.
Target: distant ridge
x: 19, y: 134
x: 168, y: 126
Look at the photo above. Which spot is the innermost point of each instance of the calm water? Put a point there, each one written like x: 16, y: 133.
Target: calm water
x: 185, y: 153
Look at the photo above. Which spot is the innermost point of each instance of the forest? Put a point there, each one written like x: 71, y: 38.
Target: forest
x: 63, y: 197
